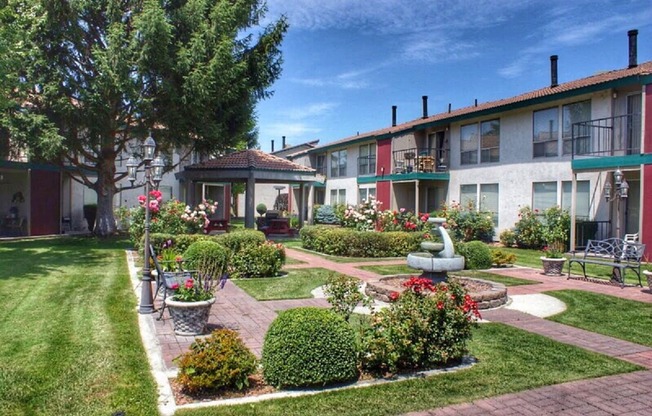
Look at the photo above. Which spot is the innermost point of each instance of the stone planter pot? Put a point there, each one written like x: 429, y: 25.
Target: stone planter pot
x: 189, y: 318
x: 648, y: 274
x: 553, y: 267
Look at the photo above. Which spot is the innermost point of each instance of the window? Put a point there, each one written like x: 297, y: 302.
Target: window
x: 583, y: 197
x: 490, y: 141
x: 571, y: 114
x: 320, y: 164
x: 367, y: 159
x: 489, y: 200
x: 545, y: 132
x: 469, y: 144
x: 544, y: 196
x: 365, y: 193
x: 468, y: 195
x: 338, y: 163
x: 166, y: 192
x: 338, y: 196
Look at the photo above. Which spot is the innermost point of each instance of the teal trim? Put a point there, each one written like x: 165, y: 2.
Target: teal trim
x: 611, y: 162
x: 28, y: 165
x: 392, y: 132
x: 435, y: 176
x: 319, y: 184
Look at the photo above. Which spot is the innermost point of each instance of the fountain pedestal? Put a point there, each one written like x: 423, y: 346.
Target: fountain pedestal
x: 437, y: 259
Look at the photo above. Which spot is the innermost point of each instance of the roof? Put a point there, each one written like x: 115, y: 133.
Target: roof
x: 250, y: 159
x: 575, y: 87
x: 298, y: 148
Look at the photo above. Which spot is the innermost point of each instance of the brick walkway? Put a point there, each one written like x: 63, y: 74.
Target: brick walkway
x: 626, y: 394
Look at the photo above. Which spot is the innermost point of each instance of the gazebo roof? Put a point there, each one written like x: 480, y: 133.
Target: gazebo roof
x: 251, y: 159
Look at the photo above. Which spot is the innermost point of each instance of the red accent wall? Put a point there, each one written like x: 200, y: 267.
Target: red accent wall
x: 45, y: 202
x: 646, y: 192
x: 383, y: 193
x: 384, y: 157
x: 647, y: 131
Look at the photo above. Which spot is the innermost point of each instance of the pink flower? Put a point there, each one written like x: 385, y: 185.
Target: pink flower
x: 189, y: 284
x: 174, y: 286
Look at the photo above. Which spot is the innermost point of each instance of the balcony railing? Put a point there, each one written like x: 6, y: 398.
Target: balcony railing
x: 611, y: 136
x: 420, y: 160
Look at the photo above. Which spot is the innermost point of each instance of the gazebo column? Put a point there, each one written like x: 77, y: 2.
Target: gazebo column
x: 311, y: 198
x: 301, y: 203
x: 250, y: 198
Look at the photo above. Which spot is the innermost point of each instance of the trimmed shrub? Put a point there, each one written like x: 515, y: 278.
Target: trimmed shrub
x: 501, y: 258
x: 325, y: 214
x: 261, y: 209
x: 508, y: 238
x: 241, y: 238
x: 477, y: 255
x: 208, y: 258
x: 219, y: 361
x: 181, y: 242
x: 427, y: 326
x: 264, y: 260
x: 309, y: 347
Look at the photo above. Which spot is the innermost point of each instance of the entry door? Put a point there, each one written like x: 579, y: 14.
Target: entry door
x: 632, y: 207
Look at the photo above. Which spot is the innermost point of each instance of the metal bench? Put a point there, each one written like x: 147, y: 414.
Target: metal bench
x: 167, y: 282
x: 616, y: 253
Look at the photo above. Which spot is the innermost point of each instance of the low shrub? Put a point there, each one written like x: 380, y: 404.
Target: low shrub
x: 466, y: 223
x: 343, y: 293
x: 528, y: 230
x: 326, y: 214
x: 477, y: 255
x: 501, y: 258
x: 309, y: 347
x: 219, y: 361
x: 263, y: 260
x: 209, y: 258
x: 181, y: 242
x: 241, y: 238
x: 508, y: 238
x: 426, y: 326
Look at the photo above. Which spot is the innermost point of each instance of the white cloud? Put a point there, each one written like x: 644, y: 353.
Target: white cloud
x: 289, y: 130
x: 312, y: 110
x: 351, y: 80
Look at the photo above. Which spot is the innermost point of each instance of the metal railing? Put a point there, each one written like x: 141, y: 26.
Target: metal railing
x: 611, y: 136
x: 591, y: 230
x: 420, y: 160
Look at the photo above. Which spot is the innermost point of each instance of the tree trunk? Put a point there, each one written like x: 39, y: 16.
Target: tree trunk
x: 106, y: 189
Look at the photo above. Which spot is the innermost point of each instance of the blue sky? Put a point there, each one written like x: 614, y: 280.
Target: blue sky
x: 347, y: 62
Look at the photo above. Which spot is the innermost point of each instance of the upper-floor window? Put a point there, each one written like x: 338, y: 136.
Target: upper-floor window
x: 545, y: 132
x: 469, y: 144
x: 367, y: 159
x: 338, y: 163
x: 575, y: 113
x: 320, y: 164
x: 487, y: 140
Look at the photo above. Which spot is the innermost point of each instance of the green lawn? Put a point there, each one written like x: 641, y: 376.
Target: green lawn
x: 608, y: 315
x: 509, y: 360
x: 297, y: 284
x: 69, y: 337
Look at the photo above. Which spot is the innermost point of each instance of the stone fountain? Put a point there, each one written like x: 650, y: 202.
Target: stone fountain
x: 437, y: 259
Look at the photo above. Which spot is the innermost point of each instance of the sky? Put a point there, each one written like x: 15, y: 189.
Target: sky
x: 347, y: 62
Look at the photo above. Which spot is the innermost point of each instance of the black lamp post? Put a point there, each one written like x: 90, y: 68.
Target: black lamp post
x: 153, y: 175
x: 621, y: 190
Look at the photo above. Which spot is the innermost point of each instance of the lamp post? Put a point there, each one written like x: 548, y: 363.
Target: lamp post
x: 620, y: 190
x: 153, y: 175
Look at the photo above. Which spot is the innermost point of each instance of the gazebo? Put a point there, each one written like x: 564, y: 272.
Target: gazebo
x: 250, y: 166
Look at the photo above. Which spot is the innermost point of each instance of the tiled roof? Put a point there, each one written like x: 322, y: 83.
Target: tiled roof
x: 251, y: 159
x: 644, y: 69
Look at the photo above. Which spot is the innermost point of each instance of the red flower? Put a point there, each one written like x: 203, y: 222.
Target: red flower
x: 393, y: 296
x: 440, y: 305
x: 174, y: 286
x: 189, y: 284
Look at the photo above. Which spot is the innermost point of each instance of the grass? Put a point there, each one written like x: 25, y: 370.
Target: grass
x: 509, y: 360
x: 608, y: 315
x: 296, y: 285
x: 394, y: 269
x: 69, y: 337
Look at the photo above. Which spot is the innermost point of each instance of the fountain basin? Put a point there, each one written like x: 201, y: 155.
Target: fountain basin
x: 433, y: 263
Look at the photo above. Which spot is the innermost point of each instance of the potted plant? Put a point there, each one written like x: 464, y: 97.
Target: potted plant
x: 553, y: 259
x: 648, y: 275
x: 556, y: 232
x: 192, y: 300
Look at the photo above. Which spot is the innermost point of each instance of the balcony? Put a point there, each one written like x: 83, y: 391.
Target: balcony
x: 420, y: 160
x: 611, y: 136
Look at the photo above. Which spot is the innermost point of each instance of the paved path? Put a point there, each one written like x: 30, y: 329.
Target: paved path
x: 627, y: 394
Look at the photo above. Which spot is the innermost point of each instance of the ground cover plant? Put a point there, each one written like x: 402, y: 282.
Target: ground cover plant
x: 297, y: 284
x: 619, y: 318
x: 509, y: 360
x: 69, y: 336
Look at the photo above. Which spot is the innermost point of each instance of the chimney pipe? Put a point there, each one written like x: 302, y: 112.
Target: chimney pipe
x: 393, y: 116
x: 272, y: 146
x: 553, y: 71
x: 475, y: 103
x: 424, y: 101
x: 449, y: 107
x: 632, y: 48
x: 283, y: 137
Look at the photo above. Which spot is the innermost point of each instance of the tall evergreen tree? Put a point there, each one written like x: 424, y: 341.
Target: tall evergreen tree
x: 95, y: 75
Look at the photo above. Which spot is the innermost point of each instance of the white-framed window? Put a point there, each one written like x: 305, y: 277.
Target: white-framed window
x: 469, y: 195
x: 490, y: 141
x: 166, y: 191
x: 365, y: 193
x: 571, y: 114
x: 469, y: 144
x: 544, y: 196
x: 338, y: 163
x: 489, y: 200
x: 583, y: 198
x: 367, y: 159
x: 338, y: 196
x: 545, y: 132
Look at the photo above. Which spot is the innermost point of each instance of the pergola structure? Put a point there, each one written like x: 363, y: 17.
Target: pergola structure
x: 250, y: 166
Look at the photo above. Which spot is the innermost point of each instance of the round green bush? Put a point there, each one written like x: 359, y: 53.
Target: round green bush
x: 219, y: 361
x: 477, y: 255
x: 238, y: 239
x: 207, y: 257
x: 309, y: 347
x: 261, y: 209
x: 263, y: 260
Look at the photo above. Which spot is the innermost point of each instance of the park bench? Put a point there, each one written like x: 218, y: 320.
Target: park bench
x: 617, y: 253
